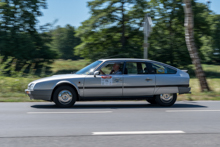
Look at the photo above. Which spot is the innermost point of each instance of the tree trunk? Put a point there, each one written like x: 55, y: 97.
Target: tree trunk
x: 189, y: 36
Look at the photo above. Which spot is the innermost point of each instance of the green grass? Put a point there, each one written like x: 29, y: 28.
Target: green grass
x: 211, y: 71
x: 67, y: 66
x: 12, y: 89
x: 214, y: 84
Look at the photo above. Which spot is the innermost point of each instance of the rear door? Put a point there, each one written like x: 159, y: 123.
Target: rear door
x: 138, y: 80
x: 167, y: 81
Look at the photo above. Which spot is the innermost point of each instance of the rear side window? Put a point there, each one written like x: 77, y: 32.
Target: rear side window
x: 136, y: 68
x: 161, y: 69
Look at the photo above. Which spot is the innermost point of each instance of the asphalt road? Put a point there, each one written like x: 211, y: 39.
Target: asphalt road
x: 110, y: 124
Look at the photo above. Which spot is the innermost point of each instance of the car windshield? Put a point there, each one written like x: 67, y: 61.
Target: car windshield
x: 90, y: 68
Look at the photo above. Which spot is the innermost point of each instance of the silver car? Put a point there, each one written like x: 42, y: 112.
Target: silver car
x: 114, y: 79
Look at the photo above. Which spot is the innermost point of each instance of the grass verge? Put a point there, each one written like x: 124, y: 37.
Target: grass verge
x: 197, y: 95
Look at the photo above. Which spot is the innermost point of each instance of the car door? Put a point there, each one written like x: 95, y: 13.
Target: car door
x: 167, y: 81
x: 104, y: 85
x: 138, y: 80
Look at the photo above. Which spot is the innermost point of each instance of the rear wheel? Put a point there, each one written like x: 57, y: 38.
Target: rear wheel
x: 166, y: 99
x: 64, y: 96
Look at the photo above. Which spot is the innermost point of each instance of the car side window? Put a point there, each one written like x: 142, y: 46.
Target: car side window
x: 136, y: 68
x: 107, y: 69
x: 112, y: 68
x: 160, y: 69
x: 131, y: 68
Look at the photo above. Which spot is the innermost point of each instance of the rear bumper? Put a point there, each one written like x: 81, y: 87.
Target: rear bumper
x: 183, y: 90
x: 39, y: 94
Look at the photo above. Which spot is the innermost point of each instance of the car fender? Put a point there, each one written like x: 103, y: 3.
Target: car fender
x: 67, y: 82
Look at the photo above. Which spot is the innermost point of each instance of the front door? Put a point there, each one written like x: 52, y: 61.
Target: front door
x: 137, y: 80
x: 107, y: 84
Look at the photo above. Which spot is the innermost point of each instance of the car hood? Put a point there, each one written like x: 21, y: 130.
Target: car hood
x: 59, y: 77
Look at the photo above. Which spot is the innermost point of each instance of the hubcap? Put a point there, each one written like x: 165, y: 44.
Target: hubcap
x: 65, y: 97
x: 166, y: 98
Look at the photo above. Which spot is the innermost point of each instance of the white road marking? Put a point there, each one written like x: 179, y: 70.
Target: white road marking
x: 83, y: 112
x: 192, y: 110
x: 137, y: 132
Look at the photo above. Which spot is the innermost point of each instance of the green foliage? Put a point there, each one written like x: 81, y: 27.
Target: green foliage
x: 68, y: 66
x: 4, y: 65
x: 64, y: 42
x: 167, y: 41
x: 19, y: 37
x: 113, y: 30
x: 215, y: 27
x: 20, y: 16
x: 203, y: 20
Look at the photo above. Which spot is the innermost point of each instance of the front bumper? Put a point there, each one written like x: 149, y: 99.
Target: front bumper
x: 39, y: 94
x: 28, y: 92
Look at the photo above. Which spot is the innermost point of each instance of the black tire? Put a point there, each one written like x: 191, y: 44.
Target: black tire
x: 152, y: 101
x: 67, y: 97
x: 166, y: 102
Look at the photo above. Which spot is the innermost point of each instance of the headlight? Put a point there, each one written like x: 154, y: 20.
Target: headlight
x: 31, y: 86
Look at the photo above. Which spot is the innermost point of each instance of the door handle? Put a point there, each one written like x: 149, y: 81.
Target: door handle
x: 148, y: 79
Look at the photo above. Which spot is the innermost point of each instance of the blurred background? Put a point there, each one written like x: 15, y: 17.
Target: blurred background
x: 39, y: 38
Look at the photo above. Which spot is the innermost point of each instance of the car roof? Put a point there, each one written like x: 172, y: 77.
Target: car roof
x: 123, y: 59
x: 135, y: 59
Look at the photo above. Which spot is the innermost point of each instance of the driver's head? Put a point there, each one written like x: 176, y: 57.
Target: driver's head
x: 116, y: 66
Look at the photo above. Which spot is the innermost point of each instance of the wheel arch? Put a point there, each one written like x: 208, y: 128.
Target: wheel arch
x: 65, y: 83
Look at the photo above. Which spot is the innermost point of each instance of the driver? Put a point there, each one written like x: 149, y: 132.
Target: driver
x: 115, y: 70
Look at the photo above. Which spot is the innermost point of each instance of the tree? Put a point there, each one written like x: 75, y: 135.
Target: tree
x: 167, y: 41
x: 19, y: 36
x: 216, y: 39
x: 204, y: 30
x: 113, y: 30
x: 64, y: 42
x: 189, y: 36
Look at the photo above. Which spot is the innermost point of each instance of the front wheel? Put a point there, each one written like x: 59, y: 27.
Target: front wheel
x: 64, y: 96
x: 166, y: 99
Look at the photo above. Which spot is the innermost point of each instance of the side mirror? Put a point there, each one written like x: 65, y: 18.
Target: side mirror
x: 96, y: 73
